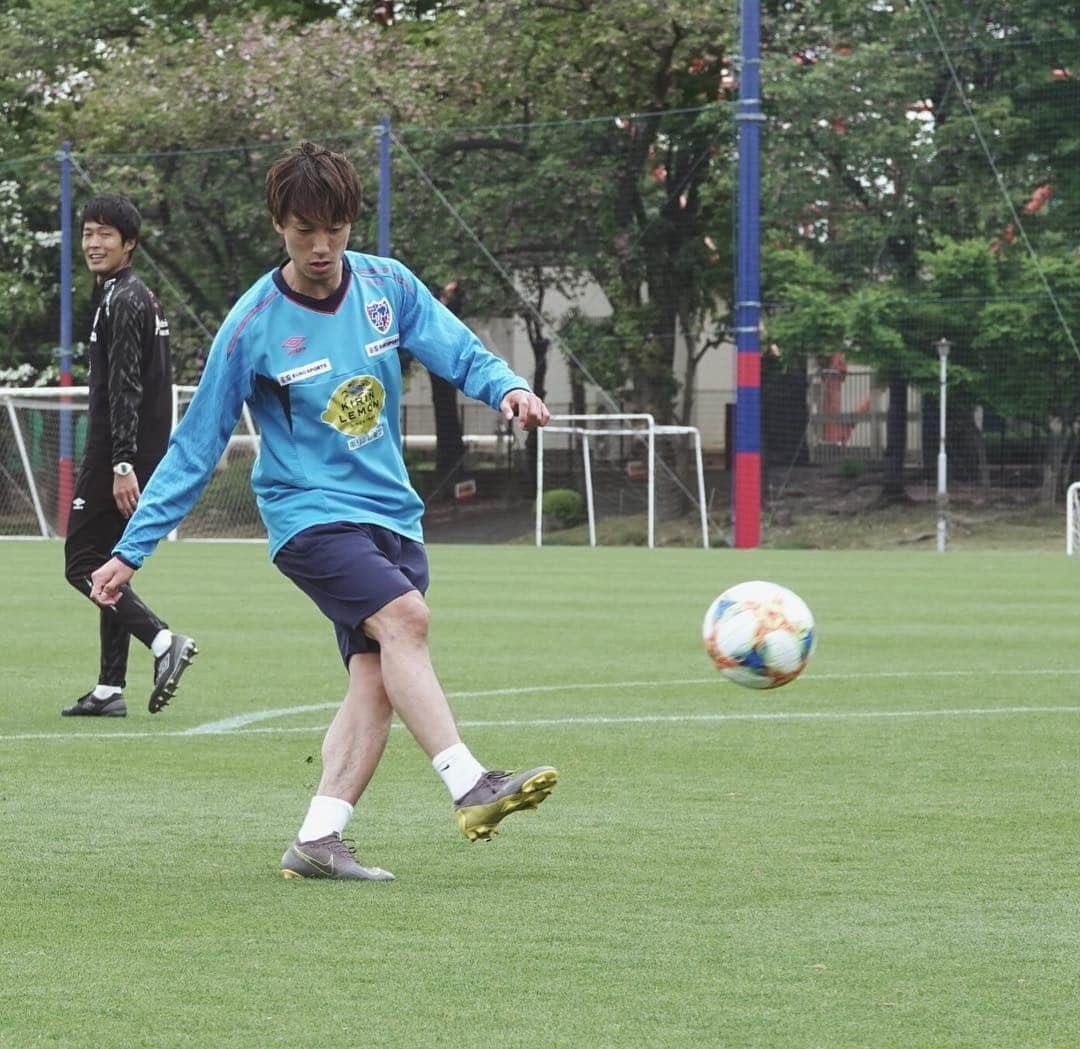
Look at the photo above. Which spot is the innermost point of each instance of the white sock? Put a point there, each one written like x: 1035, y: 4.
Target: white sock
x: 458, y: 768
x: 106, y: 691
x: 160, y: 645
x: 325, y: 815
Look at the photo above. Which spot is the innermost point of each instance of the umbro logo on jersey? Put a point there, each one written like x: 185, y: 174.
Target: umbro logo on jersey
x: 295, y: 344
x: 78, y: 504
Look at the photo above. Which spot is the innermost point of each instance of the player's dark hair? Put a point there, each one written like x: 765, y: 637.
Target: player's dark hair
x: 315, y: 184
x: 116, y: 211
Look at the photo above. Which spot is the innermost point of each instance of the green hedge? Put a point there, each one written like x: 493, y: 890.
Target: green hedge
x: 564, y: 506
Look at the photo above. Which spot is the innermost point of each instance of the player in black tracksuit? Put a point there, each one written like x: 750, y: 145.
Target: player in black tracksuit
x: 130, y: 419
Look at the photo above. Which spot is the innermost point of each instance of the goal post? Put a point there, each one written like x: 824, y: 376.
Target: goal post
x: 640, y: 429
x: 43, y: 433
x: 42, y: 429
x: 1072, y: 518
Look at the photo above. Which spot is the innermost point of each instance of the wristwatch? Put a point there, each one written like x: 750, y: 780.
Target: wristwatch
x: 122, y: 469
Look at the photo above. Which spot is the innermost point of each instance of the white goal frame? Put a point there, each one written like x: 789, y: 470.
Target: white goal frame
x: 646, y: 429
x: 1072, y: 517
x: 10, y: 395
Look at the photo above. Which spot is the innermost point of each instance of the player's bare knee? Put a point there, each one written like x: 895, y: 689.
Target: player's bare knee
x: 405, y: 619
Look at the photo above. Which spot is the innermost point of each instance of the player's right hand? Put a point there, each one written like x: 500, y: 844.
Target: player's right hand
x: 107, y: 580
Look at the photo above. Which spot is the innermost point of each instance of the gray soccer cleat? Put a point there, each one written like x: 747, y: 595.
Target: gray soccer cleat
x: 89, y: 706
x: 496, y: 794
x: 169, y: 667
x: 328, y: 857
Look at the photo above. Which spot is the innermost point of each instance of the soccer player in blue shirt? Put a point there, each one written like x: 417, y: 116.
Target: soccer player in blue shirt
x: 311, y: 348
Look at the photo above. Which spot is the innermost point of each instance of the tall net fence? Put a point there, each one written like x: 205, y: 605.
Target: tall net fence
x: 596, y: 242
x: 915, y: 193
x: 920, y: 201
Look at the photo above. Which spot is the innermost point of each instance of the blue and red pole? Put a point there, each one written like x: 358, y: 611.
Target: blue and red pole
x: 747, y: 459
x: 65, y: 466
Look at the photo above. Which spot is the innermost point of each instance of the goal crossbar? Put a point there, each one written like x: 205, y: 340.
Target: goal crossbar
x: 646, y: 429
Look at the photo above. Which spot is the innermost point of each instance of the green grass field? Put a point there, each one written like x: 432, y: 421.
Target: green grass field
x: 882, y: 854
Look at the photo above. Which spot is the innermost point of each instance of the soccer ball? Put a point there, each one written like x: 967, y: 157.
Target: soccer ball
x: 759, y: 634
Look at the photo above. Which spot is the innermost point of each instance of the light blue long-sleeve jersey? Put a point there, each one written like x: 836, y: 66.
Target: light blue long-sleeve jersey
x: 325, y: 390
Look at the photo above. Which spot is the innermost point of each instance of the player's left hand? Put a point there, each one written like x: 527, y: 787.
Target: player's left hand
x: 107, y: 580
x: 125, y: 493
x: 527, y: 407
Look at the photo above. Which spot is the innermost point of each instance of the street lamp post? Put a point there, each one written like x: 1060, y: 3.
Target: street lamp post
x: 943, y: 347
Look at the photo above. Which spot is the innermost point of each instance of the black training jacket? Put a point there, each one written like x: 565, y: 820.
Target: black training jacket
x: 130, y: 374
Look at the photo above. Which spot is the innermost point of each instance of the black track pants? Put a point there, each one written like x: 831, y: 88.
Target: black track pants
x: 94, y: 528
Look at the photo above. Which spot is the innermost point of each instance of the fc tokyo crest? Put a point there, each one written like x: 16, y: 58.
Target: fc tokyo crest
x: 380, y: 316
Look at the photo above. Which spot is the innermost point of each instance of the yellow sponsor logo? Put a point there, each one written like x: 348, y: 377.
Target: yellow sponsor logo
x: 355, y: 406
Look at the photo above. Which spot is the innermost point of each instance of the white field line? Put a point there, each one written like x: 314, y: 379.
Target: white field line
x: 237, y: 725
x: 643, y: 719
x: 242, y: 720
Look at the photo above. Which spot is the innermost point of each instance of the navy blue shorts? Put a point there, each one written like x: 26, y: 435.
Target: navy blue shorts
x: 351, y: 571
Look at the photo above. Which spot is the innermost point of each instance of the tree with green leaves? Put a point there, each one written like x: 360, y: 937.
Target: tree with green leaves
x: 874, y: 156
x: 632, y: 202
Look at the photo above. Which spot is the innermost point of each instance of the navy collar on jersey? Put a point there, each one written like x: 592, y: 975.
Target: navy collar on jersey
x: 328, y: 305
